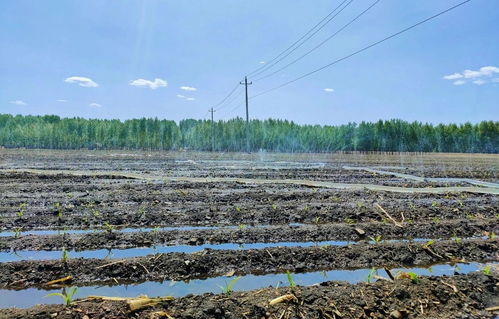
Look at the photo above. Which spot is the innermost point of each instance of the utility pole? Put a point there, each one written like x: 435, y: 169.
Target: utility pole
x: 245, y: 83
x: 212, y: 130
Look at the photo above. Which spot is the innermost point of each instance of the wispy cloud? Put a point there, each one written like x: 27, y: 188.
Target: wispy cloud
x: 188, y: 88
x: 183, y: 97
x: 62, y: 101
x: 478, y: 77
x: 94, y: 105
x: 18, y: 102
x: 262, y: 62
x: 153, y: 85
x: 329, y: 90
x: 82, y: 81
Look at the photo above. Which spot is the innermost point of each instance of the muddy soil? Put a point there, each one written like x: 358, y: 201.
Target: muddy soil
x: 305, y: 233
x: 460, y: 296
x: 211, y: 263
x: 88, y: 202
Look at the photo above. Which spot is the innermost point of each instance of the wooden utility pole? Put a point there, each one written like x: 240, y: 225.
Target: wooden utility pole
x: 212, y: 130
x: 245, y: 83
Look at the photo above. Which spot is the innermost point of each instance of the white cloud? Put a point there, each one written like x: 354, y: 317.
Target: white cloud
x: 180, y: 96
x: 329, y: 90
x: 454, y: 76
x: 153, y: 85
x: 82, y: 81
x: 62, y: 101
x: 262, y: 62
x: 18, y: 102
x: 477, y: 76
x: 95, y: 105
x: 190, y: 99
x: 188, y: 88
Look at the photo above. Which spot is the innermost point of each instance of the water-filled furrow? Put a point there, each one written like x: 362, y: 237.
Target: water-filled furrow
x: 32, y: 296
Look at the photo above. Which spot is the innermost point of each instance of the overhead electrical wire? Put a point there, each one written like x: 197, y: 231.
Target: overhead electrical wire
x: 320, y: 44
x: 363, y: 49
x: 226, y: 97
x: 269, y: 66
x: 270, y: 63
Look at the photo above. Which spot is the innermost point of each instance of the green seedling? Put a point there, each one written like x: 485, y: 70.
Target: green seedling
x: 65, y: 256
x: 360, y: 204
x: 274, y: 207
x: 324, y: 247
x: 238, y: 209
x: 459, y: 203
x: 241, y: 226
x: 290, y: 279
x: 486, y: 270
x: 155, y: 229
x: 109, y: 228
x: 456, y: 239
x: 412, y: 206
x: 67, y: 296
x: 58, y: 209
x: 428, y: 243
x: 95, y: 212
x: 414, y: 277
x: 435, y: 220
x: 20, y: 212
x: 17, y: 232
x: 376, y: 239
x: 492, y: 235
x: 385, y: 220
x: 306, y: 208
x: 349, y: 221
x: 370, y: 275
x: 434, y: 203
x: 317, y: 220
x: 228, y: 287
x: 141, y: 212
x: 469, y: 216
x: 334, y: 198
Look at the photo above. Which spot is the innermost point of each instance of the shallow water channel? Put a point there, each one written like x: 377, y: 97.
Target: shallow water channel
x: 30, y: 297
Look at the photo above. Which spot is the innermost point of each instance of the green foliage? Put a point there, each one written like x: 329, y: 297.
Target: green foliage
x: 17, y: 232
x: 376, y: 239
x: 435, y: 220
x: 20, y: 212
x: 349, y: 221
x: 58, y: 209
x: 241, y: 226
x: 67, y: 296
x: 306, y: 209
x: 274, y: 207
x: 414, y: 277
x: 429, y: 243
x: 227, y: 289
x: 109, y: 228
x: 456, y: 239
x: 492, y: 235
x: 486, y: 270
x: 434, y: 204
x: 155, y: 229
x: 53, y: 132
x: 360, y: 204
x: 290, y: 279
x: 370, y: 275
x: 65, y: 256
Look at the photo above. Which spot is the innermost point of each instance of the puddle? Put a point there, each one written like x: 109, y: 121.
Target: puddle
x: 130, y: 230
x: 30, y: 297
x: 137, y: 252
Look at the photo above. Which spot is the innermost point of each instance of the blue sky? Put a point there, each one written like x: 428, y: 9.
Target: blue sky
x: 130, y: 58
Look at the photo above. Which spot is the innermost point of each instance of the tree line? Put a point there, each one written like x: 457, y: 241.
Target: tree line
x: 53, y: 132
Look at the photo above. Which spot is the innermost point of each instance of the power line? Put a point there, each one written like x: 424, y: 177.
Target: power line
x: 363, y: 49
x: 227, y: 96
x: 270, y: 65
x: 232, y: 99
x: 320, y: 44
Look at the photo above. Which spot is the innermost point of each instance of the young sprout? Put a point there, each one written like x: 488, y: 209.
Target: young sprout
x: 428, y: 243
x: 141, y: 212
x: 95, y: 212
x: 155, y: 229
x: 67, y: 296
x: 17, y: 232
x: 376, y: 239
x: 469, y: 216
x: 290, y: 279
x: 434, y: 203
x: 349, y: 221
x: 241, y: 226
x: 274, y: 207
x: 370, y: 275
x: 58, y: 209
x: 456, y: 239
x: 228, y: 287
x: 486, y: 270
x: 435, y: 219
x: 409, y: 275
x: 317, y: 220
x: 492, y: 235
x: 324, y: 247
x: 238, y: 209
x: 109, y: 228
x: 360, y: 204
x: 459, y: 203
x: 65, y: 256
x: 412, y: 206
x: 20, y: 212
x: 306, y: 208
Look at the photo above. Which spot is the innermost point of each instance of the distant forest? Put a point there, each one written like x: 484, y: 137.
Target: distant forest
x: 53, y: 132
